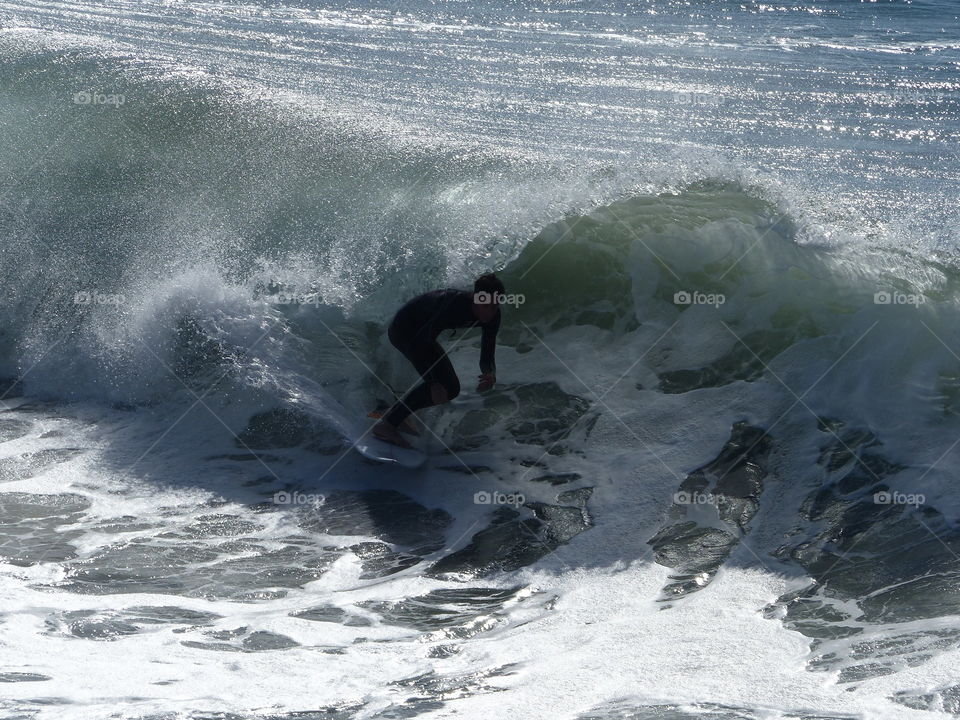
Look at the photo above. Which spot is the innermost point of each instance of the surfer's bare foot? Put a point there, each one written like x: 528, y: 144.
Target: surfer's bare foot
x: 408, y: 427
x: 388, y: 433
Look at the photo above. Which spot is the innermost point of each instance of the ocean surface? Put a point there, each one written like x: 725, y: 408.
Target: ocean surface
x: 717, y: 475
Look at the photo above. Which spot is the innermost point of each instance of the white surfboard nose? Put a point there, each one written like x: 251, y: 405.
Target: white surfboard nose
x: 374, y: 449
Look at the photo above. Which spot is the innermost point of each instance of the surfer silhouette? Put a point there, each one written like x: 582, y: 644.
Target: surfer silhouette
x: 414, y: 330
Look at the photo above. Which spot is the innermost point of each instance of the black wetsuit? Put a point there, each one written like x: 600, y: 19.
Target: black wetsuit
x: 414, y: 332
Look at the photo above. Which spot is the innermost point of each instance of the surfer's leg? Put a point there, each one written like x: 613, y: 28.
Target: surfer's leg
x: 437, y: 372
x: 447, y: 376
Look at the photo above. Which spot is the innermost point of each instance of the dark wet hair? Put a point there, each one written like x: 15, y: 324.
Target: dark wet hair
x: 489, y: 284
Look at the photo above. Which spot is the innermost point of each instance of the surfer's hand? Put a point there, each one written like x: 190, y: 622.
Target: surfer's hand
x: 487, y: 381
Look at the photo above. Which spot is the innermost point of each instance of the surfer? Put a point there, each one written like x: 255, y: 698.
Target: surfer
x: 414, y: 330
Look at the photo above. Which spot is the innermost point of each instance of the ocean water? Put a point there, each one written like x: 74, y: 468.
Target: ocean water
x: 716, y: 478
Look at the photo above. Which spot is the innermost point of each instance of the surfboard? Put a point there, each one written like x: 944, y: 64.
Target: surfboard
x: 358, y: 432
x: 376, y: 449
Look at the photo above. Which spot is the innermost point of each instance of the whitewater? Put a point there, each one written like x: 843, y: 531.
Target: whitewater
x: 716, y: 477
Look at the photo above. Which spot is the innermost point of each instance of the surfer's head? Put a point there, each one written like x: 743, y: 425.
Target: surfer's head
x: 487, y: 291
